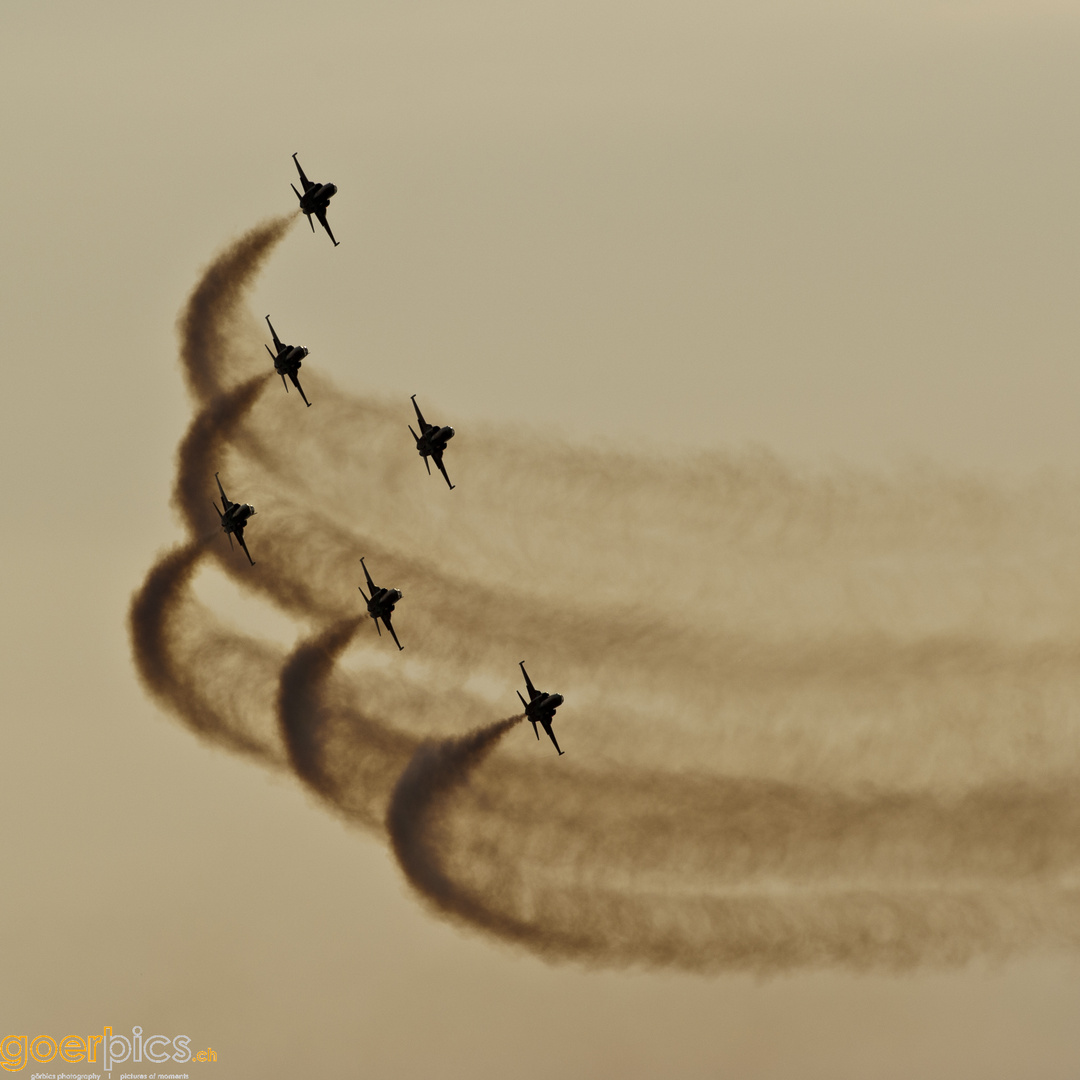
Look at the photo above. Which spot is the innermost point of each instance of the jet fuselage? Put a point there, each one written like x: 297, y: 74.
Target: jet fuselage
x: 236, y: 516
x: 288, y: 361
x: 434, y: 441
x: 544, y: 705
x: 382, y: 602
x: 317, y: 197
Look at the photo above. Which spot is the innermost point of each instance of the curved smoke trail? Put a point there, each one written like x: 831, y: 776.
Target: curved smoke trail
x: 416, y: 816
x: 215, y: 311
x: 844, y: 732
x: 184, y: 656
x: 149, y: 618
x: 189, y: 662
x: 328, y: 740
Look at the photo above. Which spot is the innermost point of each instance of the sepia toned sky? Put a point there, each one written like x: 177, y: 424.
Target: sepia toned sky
x: 842, y: 232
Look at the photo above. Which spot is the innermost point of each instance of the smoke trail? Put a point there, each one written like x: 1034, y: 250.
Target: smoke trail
x: 148, y: 617
x: 155, y: 612
x: 819, y: 719
x: 437, y: 770
x: 710, y: 873
x: 201, y: 448
x: 210, y: 319
x: 181, y: 671
x: 326, y: 740
x: 306, y: 668
x: 853, y: 598
x: 155, y: 609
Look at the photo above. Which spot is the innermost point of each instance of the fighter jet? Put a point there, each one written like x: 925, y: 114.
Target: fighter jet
x: 315, y: 200
x: 287, y: 361
x: 380, y: 604
x: 431, y: 442
x: 234, y: 516
x: 540, y: 708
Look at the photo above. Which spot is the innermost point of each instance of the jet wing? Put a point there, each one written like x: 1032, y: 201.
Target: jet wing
x: 437, y: 455
x: 321, y: 215
x: 386, y: 623
x: 296, y: 383
x: 304, y: 181
x: 424, y: 425
x: 240, y: 540
x: 421, y: 446
x: 224, y: 498
x: 273, y: 334
x: 370, y: 584
x: 551, y: 734
x: 528, y: 682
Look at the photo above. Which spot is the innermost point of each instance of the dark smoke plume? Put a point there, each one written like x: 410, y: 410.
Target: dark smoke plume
x: 438, y: 769
x: 148, y: 617
x: 181, y: 677
x: 326, y: 738
x: 178, y: 645
x: 157, y: 608
x: 201, y: 449
x: 210, y: 319
x: 302, y: 675
x: 711, y: 874
x: 812, y: 719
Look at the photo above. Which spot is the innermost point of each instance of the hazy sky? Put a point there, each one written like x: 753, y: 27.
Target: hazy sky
x: 841, y: 232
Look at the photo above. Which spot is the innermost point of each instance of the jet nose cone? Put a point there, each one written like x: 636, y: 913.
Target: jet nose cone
x: 450, y: 432
x: 303, y: 350
x: 557, y: 700
x: 331, y: 189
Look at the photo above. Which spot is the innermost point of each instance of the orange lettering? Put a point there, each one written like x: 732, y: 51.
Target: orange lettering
x: 13, y: 1052
x: 72, y: 1045
x: 48, y: 1050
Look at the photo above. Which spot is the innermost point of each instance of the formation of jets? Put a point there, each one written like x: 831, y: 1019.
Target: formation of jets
x: 430, y: 444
